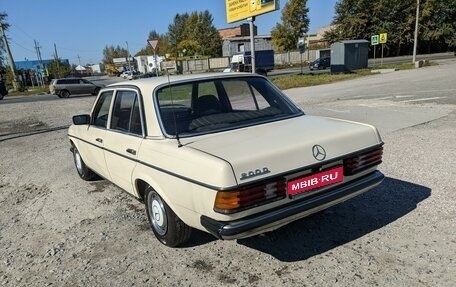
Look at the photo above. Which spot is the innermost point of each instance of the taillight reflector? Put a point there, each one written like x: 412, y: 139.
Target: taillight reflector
x: 363, y: 161
x: 237, y: 200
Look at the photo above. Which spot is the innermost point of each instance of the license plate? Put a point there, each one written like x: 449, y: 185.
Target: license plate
x: 316, y: 180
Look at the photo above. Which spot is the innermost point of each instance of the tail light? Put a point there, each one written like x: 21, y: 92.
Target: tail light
x: 363, y: 161
x: 241, y: 199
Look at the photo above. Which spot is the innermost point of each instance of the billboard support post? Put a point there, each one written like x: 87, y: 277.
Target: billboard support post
x: 252, y: 44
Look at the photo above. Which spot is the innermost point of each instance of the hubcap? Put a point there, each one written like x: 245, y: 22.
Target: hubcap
x: 78, y: 161
x: 157, y: 214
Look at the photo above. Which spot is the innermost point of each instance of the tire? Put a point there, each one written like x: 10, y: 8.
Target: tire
x: 96, y: 91
x: 167, y: 227
x: 84, y: 172
x: 64, y: 94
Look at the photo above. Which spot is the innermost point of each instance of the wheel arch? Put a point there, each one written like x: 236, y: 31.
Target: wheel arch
x: 142, y: 183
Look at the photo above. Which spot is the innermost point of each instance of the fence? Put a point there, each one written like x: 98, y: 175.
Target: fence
x: 218, y: 64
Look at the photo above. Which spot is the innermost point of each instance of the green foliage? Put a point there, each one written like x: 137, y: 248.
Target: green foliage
x: 359, y: 19
x: 162, y: 47
x: 111, y: 52
x: 295, y: 24
x: 195, y: 33
x: 306, y: 80
x: 58, y: 69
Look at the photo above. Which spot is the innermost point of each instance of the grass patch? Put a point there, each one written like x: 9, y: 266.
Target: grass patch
x: 31, y: 91
x: 306, y: 80
x: 402, y: 66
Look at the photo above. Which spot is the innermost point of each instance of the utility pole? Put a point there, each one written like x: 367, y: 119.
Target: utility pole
x: 10, y: 59
x: 56, y: 57
x: 415, y: 41
x: 41, y: 69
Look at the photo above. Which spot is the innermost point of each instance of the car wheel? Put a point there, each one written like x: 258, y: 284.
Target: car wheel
x: 64, y: 94
x: 167, y: 227
x: 96, y: 91
x: 84, y: 172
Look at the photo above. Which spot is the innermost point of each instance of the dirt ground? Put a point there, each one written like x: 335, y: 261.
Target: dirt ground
x: 57, y: 230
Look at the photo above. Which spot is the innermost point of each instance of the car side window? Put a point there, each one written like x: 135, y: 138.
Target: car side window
x: 101, y: 111
x: 126, y: 115
x: 244, y: 96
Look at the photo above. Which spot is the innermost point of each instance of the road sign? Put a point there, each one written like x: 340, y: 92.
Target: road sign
x: 374, y: 40
x: 383, y: 38
x: 153, y: 43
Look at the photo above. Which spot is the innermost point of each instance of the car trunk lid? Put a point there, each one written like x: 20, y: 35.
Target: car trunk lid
x: 280, y: 147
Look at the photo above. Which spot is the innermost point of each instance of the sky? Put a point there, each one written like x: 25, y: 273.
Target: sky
x: 81, y: 29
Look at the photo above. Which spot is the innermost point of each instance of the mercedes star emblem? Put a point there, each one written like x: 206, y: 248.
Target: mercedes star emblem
x: 319, y: 152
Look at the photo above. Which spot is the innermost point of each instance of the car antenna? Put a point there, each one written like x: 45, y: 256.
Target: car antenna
x: 179, y: 144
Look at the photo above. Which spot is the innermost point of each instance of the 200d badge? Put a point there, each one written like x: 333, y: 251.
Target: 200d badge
x: 253, y: 173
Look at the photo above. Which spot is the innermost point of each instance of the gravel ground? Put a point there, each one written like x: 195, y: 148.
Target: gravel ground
x: 56, y: 230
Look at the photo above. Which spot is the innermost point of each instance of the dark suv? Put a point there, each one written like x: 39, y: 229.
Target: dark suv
x: 3, y: 90
x: 63, y: 88
x: 320, y: 63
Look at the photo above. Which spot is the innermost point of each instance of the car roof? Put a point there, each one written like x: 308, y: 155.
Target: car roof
x: 152, y: 82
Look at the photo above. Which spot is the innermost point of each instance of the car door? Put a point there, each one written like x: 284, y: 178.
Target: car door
x: 86, y: 86
x: 92, y: 152
x: 124, y: 137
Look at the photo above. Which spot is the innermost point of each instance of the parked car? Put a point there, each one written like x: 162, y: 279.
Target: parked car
x: 3, y: 90
x: 65, y: 87
x: 127, y: 75
x: 225, y: 153
x: 320, y: 63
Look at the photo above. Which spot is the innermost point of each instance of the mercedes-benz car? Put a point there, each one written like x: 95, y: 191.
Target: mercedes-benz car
x: 228, y: 154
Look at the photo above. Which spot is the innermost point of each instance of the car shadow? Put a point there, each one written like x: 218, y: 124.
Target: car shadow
x: 342, y: 223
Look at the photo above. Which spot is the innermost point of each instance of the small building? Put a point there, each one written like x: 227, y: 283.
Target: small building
x: 349, y: 55
x: 36, y: 64
x: 148, y: 64
x: 238, y: 31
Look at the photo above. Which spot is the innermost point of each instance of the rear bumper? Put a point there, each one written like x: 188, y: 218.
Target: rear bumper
x: 276, y: 218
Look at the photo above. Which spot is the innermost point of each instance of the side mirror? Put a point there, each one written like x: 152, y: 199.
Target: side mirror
x: 81, y: 119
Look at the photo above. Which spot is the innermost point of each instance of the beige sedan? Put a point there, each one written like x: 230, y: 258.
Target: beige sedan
x: 228, y: 154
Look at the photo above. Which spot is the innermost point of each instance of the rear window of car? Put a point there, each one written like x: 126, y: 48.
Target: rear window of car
x: 220, y: 104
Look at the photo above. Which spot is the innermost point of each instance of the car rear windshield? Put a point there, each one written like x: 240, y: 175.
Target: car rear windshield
x: 219, y: 104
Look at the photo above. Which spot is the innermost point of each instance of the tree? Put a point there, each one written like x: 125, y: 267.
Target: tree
x: 5, y: 26
x: 112, y: 52
x: 195, y: 33
x: 163, y: 44
x: 359, y: 19
x: 58, y: 69
x: 295, y: 24
x: 176, y: 32
x: 438, y: 25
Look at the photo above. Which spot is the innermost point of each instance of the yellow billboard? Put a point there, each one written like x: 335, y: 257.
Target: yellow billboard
x: 237, y: 10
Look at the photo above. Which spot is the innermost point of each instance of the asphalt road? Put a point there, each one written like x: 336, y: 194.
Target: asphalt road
x: 109, y: 80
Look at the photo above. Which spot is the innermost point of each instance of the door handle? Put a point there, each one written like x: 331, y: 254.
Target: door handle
x: 100, y: 140
x: 132, y: 151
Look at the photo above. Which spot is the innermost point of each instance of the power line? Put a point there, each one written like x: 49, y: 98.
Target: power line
x: 17, y: 44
